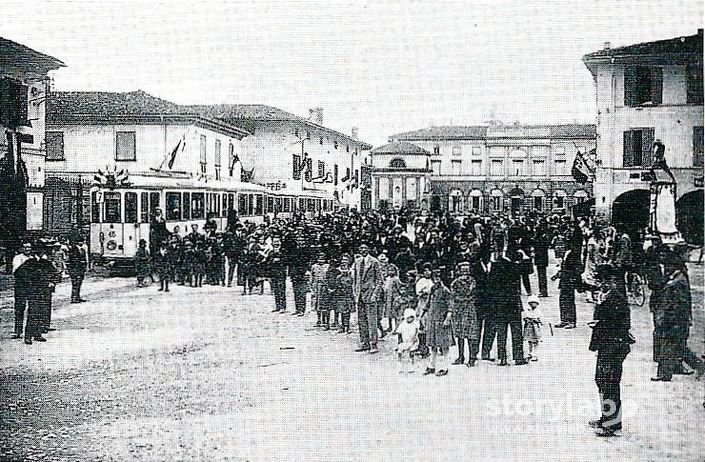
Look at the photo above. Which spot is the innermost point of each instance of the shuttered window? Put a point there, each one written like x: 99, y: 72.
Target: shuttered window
x: 55, y: 145
x: 643, y: 84
x: 125, y: 146
x: 637, y: 147
x: 697, y: 146
x: 695, y: 84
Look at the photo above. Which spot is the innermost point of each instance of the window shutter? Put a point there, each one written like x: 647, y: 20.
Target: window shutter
x: 628, y: 152
x: 695, y: 84
x: 656, y: 85
x: 629, y: 86
x: 697, y: 146
x: 647, y: 146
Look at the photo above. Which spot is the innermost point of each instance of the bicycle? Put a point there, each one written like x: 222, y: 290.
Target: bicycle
x: 636, y: 288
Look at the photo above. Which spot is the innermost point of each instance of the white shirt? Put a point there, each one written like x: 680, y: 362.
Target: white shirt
x: 18, y: 261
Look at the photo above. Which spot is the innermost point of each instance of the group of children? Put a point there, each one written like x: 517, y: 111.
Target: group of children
x: 332, y: 298
x: 184, y: 261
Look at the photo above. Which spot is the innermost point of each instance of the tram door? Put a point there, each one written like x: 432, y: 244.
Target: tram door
x: 131, y: 230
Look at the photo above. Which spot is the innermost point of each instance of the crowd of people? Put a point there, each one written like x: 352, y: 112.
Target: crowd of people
x: 433, y: 282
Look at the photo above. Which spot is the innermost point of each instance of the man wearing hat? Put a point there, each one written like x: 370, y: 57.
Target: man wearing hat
x: 76, y: 266
x: 42, y: 278
x: 611, y: 340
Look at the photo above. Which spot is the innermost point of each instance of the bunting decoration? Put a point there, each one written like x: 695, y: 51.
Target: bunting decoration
x: 111, y: 178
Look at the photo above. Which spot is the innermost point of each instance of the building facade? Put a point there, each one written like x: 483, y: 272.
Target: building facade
x: 133, y: 132
x: 492, y: 169
x: 646, y: 92
x: 400, y: 175
x: 285, y: 151
x: 24, y: 84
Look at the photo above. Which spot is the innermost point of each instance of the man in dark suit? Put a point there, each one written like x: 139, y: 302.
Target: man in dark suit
x: 611, y: 340
x: 507, y: 302
x: 76, y: 266
x: 21, y: 275
x: 367, y: 284
x: 541, y: 244
x: 485, y: 275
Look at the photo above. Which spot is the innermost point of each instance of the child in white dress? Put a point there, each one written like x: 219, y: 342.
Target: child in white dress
x: 408, y: 332
x: 532, y: 326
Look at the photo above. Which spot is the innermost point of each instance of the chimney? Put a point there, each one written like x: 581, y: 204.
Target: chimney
x: 607, y: 46
x: 354, y: 133
x: 315, y: 115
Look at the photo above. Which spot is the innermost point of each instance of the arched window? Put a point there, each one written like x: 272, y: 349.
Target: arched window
x: 397, y: 163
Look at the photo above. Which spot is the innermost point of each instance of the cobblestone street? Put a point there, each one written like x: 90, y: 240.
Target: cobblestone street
x: 209, y: 374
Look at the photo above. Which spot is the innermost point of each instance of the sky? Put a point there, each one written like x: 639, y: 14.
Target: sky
x: 385, y: 66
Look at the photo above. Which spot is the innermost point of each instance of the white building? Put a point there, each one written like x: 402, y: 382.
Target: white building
x: 134, y: 132
x: 280, y: 141
x: 488, y: 168
x: 24, y: 84
x: 645, y: 92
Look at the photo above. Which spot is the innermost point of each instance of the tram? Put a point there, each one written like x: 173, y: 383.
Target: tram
x: 120, y: 216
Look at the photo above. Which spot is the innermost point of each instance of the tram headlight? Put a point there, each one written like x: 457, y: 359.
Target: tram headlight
x: 112, y: 245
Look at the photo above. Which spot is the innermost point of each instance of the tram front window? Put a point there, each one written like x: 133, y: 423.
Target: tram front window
x: 113, y: 207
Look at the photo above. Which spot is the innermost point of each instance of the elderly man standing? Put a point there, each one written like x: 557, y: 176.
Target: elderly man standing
x: 367, y: 282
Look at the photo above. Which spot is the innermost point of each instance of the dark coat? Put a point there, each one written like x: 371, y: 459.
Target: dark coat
x: 504, y: 282
x: 76, y: 264
x: 611, y: 333
x: 672, y: 317
x: 541, y: 244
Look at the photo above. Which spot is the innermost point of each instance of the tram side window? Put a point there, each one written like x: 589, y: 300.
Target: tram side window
x: 131, y: 207
x: 144, y: 207
x: 287, y: 204
x: 153, y: 203
x: 231, y: 201
x: 198, y: 206
x: 225, y: 206
x: 95, y: 207
x: 187, y: 206
x: 259, y: 205
x: 173, y: 206
x: 113, y: 209
x: 270, y: 204
x: 242, y: 204
x: 278, y: 204
x: 302, y: 204
x: 250, y: 204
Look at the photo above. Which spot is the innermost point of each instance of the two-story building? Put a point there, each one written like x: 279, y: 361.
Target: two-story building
x: 134, y: 133
x: 646, y: 92
x: 24, y: 84
x: 489, y: 168
x: 289, y: 152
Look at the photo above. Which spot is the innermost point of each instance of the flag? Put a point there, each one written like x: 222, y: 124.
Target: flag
x: 580, y: 169
x: 235, y: 160
x: 327, y: 178
x: 172, y: 156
